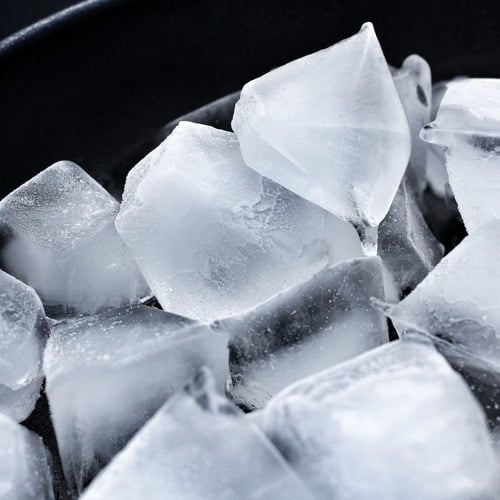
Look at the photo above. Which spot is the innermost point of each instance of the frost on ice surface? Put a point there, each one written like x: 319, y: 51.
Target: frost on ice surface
x: 62, y: 242
x: 25, y: 464
x: 458, y: 300
x: 396, y: 422
x: 330, y: 127
x: 458, y: 303
x: 413, y: 83
x: 197, y: 446
x: 305, y: 329
x: 212, y: 237
x: 467, y: 126
x: 23, y: 333
x: 406, y: 245
x: 107, y: 374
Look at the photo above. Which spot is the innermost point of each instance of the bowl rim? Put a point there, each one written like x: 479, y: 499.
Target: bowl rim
x: 54, y: 23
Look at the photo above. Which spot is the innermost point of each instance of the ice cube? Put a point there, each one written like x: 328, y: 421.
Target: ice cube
x: 23, y: 333
x: 458, y: 299
x: 107, y: 374
x: 214, y: 238
x: 396, y: 422
x: 406, y: 244
x: 196, y: 447
x: 305, y: 329
x: 467, y: 127
x: 61, y: 241
x: 330, y: 127
x: 457, y: 303
x: 413, y: 83
x: 25, y: 470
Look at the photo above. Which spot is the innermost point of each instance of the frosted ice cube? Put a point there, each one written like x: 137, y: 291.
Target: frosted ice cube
x: 25, y: 470
x: 413, y: 83
x: 107, y: 374
x: 214, y: 238
x: 396, y: 422
x: 62, y: 241
x: 458, y: 299
x: 197, y: 447
x: 406, y: 244
x: 467, y: 126
x: 330, y: 127
x: 457, y: 303
x: 305, y: 329
x: 23, y: 333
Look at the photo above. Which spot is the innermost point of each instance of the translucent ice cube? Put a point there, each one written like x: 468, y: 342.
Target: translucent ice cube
x: 305, y: 329
x: 214, y: 238
x: 467, y: 126
x: 107, y: 374
x: 330, y: 127
x: 396, y: 422
x: 457, y: 303
x: 406, y: 244
x: 23, y: 333
x: 61, y: 241
x: 413, y: 83
x: 25, y: 470
x: 196, y: 447
x: 458, y: 299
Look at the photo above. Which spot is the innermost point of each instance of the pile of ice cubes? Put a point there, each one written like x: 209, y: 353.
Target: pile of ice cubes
x: 286, y: 311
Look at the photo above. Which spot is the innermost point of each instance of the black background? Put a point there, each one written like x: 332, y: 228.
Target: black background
x: 93, y: 85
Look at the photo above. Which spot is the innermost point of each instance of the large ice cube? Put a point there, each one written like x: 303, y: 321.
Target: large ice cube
x: 305, y: 329
x: 467, y: 126
x: 396, y: 422
x: 25, y: 464
x: 23, y: 333
x: 414, y: 86
x: 107, y: 374
x: 214, y: 238
x: 330, y: 127
x: 61, y: 241
x: 406, y: 244
x: 457, y: 303
x: 458, y: 299
x: 196, y: 447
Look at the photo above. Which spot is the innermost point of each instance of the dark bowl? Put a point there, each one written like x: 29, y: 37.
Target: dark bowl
x: 100, y: 83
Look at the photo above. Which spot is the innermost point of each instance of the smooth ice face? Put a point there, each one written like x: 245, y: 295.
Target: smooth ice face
x: 107, y: 374
x: 196, y: 447
x: 25, y: 472
x: 467, y: 127
x: 330, y: 127
x: 406, y: 245
x: 23, y: 333
x: 414, y: 85
x: 305, y: 329
x: 214, y: 238
x: 458, y: 300
x: 61, y: 240
x: 396, y: 422
x: 436, y: 173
